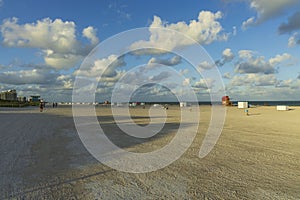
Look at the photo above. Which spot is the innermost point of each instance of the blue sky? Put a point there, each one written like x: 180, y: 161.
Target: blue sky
x: 254, y: 44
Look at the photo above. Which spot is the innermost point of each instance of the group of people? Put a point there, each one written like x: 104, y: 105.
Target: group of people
x: 43, y: 104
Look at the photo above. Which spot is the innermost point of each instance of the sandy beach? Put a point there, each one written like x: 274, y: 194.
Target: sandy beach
x: 256, y: 157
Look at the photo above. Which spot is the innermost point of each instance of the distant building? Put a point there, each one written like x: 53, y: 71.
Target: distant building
x: 21, y: 99
x: 34, y: 98
x: 9, y: 95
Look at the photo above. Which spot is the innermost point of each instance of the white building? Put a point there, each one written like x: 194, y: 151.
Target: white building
x: 9, y: 95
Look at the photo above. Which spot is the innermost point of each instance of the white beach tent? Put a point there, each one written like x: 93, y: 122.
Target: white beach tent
x: 242, y: 104
x: 282, y: 107
x: 183, y: 104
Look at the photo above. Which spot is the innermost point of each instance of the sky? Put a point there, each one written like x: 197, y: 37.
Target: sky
x: 253, y: 48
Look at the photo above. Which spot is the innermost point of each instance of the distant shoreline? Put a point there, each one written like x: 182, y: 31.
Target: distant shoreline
x: 251, y: 103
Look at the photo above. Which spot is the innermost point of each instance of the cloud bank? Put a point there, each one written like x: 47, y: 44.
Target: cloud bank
x: 204, y: 30
x: 56, y: 39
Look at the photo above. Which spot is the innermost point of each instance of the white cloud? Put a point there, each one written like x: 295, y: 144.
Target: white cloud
x: 246, y: 54
x: 1, y: 3
x: 249, y: 63
x: 254, y: 80
x: 66, y: 80
x: 60, y: 61
x: 296, y: 87
x: 169, y: 62
x: 227, y: 75
x: 279, y: 59
x: 234, y: 32
x: 227, y: 56
x: 248, y: 22
x: 161, y: 76
x: 254, y: 65
x: 204, y: 83
x: 106, y: 67
x: 56, y: 38
x: 205, y: 30
x: 34, y: 76
x: 186, y: 82
x: 293, y: 40
x: 91, y: 34
x: 183, y: 71
x: 285, y: 83
x: 205, y: 65
x: 56, y: 35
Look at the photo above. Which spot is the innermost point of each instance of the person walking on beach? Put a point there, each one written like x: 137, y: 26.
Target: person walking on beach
x: 41, y: 106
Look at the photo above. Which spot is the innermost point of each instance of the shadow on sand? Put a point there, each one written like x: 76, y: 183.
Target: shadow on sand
x: 47, y: 146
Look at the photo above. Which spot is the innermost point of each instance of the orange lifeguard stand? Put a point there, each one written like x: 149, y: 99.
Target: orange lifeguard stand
x: 226, y: 101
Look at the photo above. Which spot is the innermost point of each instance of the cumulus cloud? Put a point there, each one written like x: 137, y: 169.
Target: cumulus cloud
x: 91, y: 34
x: 60, y: 61
x: 249, y: 63
x: 66, y: 81
x: 169, y: 62
x: 294, y: 39
x: 56, y: 35
x: 106, y: 67
x: 34, y: 76
x: 285, y: 83
x: 205, y: 65
x: 153, y: 92
x: 296, y: 87
x: 161, y: 76
x: 254, y: 65
x: 254, y: 80
x: 204, y: 83
x: 257, y: 65
x: 186, y: 81
x: 227, y: 56
x: 248, y: 22
x: 227, y: 75
x: 246, y: 54
x: 205, y: 30
x: 184, y: 71
x: 56, y: 38
x: 279, y: 59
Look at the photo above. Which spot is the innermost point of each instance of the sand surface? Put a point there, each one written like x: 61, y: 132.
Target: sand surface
x: 256, y: 157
